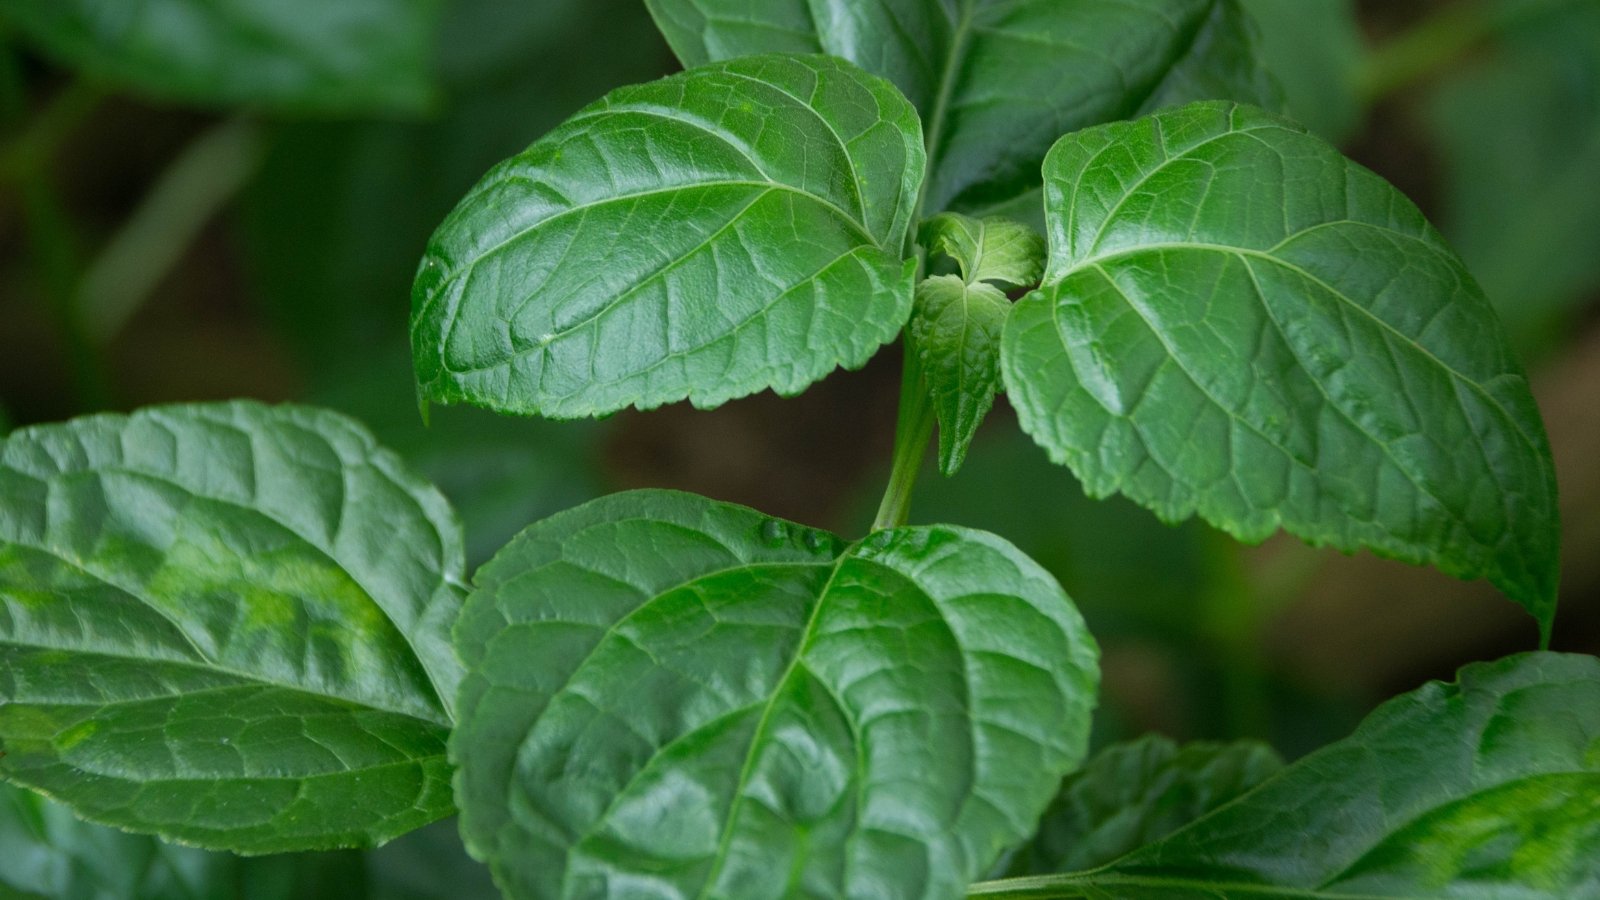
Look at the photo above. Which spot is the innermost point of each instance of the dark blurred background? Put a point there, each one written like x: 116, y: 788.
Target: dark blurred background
x: 156, y: 250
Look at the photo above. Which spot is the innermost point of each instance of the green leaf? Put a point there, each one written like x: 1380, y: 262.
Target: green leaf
x: 1481, y: 788
x: 226, y: 624
x: 351, y: 56
x: 955, y: 332
x: 1239, y: 322
x: 703, y: 237
x: 1133, y: 794
x: 997, y: 82
x: 50, y: 854
x: 1314, y: 48
x: 996, y: 249
x: 672, y: 696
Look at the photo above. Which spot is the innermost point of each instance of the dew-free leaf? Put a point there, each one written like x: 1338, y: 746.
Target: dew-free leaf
x: 674, y: 697
x: 995, y: 249
x: 955, y: 332
x: 350, y: 56
x: 1133, y: 794
x: 1237, y: 321
x: 734, y: 228
x: 1485, y: 787
x: 227, y: 624
x: 997, y: 82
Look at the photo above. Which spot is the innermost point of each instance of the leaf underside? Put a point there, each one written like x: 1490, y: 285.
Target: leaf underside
x: 672, y: 696
x: 1238, y: 322
x: 734, y: 228
x: 353, y: 56
x: 226, y: 624
x: 997, y: 82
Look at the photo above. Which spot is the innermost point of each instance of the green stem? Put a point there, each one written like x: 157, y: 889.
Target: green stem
x: 21, y: 159
x: 912, y: 431
x: 190, y: 193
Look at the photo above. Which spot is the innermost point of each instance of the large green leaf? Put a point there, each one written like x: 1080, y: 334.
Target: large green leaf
x: 296, y: 55
x: 734, y: 228
x: 1483, y: 788
x: 1239, y: 322
x: 226, y: 624
x: 48, y: 854
x: 673, y: 697
x: 997, y: 81
x: 1134, y: 794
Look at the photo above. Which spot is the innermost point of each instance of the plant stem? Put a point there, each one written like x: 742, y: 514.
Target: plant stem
x: 208, y: 173
x: 912, y: 430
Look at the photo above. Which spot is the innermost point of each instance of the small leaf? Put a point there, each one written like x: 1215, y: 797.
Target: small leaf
x: 1133, y: 794
x: 1239, y: 322
x: 1482, y: 788
x: 226, y: 624
x: 348, y: 56
x: 995, y: 249
x: 955, y: 332
x: 674, y: 697
x: 997, y: 82
x: 734, y: 228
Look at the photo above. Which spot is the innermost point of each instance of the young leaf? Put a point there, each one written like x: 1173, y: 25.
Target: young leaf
x: 1133, y: 794
x: 730, y: 229
x: 998, y: 82
x: 955, y: 332
x: 226, y: 624
x: 676, y: 697
x: 1481, y: 788
x: 1239, y: 322
x: 995, y: 249
x: 295, y: 55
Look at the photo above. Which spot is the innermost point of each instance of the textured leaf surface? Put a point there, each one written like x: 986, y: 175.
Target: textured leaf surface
x: 995, y: 249
x: 226, y: 624
x: 730, y: 229
x: 997, y: 81
x: 673, y: 697
x: 1482, y: 788
x: 955, y: 332
x: 297, y: 55
x: 1239, y: 322
x: 1134, y: 794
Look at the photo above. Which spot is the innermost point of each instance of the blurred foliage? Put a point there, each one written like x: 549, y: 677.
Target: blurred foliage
x: 328, y: 182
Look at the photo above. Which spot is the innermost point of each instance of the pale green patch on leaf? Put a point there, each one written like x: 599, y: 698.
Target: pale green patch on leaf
x: 227, y: 624
x: 734, y: 228
x: 1482, y: 788
x: 1134, y: 794
x: 672, y: 696
x: 994, y: 249
x: 350, y: 56
x: 1238, y: 322
x: 955, y: 332
x: 997, y: 82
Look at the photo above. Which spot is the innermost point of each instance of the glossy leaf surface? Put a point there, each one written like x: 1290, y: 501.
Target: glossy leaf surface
x: 226, y: 624
x: 734, y: 228
x: 294, y: 55
x: 955, y: 332
x: 995, y: 249
x: 672, y: 696
x: 1481, y: 788
x: 1239, y: 322
x: 1134, y: 794
x: 997, y: 81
